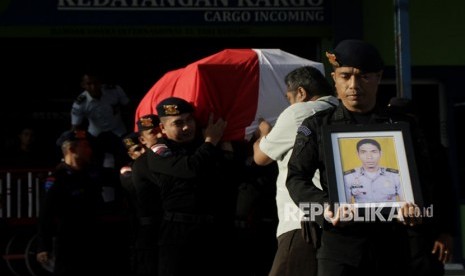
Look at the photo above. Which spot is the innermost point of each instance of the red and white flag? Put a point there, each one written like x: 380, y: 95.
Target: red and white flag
x: 238, y: 85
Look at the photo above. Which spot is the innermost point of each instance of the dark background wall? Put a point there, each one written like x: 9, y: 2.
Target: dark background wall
x: 42, y: 75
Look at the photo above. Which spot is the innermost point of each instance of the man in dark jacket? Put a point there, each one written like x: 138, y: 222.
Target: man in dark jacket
x: 360, y: 248
x: 194, y: 192
x: 69, y: 224
x: 148, y: 204
x: 134, y: 149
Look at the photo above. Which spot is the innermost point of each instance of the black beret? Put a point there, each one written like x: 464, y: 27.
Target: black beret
x: 356, y: 53
x: 147, y: 122
x: 131, y: 139
x: 173, y: 106
x: 72, y: 135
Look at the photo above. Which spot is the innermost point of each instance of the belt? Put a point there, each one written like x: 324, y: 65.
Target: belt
x: 187, y: 218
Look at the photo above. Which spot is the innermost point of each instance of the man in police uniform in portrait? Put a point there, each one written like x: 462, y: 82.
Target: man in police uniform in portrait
x: 370, y: 182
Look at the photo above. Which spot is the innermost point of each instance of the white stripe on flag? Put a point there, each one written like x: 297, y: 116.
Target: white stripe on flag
x: 275, y: 64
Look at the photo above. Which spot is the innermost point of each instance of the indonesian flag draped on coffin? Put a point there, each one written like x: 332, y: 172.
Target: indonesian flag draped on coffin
x: 239, y: 85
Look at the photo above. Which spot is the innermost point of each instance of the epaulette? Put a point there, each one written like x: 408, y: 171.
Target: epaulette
x: 80, y: 99
x: 392, y: 170
x: 161, y: 150
x: 49, y: 182
x: 349, y: 171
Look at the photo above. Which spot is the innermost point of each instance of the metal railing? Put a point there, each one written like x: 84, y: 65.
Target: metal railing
x: 20, y: 192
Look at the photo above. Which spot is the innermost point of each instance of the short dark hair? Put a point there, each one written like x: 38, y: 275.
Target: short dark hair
x: 309, y: 78
x: 368, y: 141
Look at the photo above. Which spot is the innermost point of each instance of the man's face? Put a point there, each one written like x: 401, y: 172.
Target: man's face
x: 356, y: 89
x: 149, y: 137
x: 135, y: 151
x: 369, y: 154
x: 92, y: 85
x: 180, y: 128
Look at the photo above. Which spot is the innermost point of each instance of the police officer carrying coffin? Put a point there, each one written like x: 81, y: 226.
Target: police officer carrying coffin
x: 370, y: 182
x: 190, y: 170
x: 149, y: 208
x: 134, y: 149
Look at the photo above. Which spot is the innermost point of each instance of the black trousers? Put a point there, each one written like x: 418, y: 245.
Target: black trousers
x: 380, y: 249
x: 294, y: 256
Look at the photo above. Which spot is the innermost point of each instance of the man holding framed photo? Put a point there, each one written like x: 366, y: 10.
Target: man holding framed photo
x: 415, y: 247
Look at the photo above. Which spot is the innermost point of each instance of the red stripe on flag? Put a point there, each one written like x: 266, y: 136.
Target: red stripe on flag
x: 225, y: 84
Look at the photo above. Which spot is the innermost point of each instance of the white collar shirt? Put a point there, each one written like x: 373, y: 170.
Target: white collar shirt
x: 103, y: 114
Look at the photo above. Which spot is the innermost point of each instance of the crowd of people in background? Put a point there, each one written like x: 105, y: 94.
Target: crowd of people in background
x: 171, y: 199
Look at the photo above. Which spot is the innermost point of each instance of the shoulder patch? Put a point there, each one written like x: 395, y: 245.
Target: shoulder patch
x: 49, y: 182
x: 304, y: 130
x: 349, y: 171
x: 161, y: 150
x: 80, y: 99
x: 392, y: 170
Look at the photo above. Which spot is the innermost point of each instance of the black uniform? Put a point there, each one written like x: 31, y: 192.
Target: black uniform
x: 148, y: 208
x: 129, y: 192
x: 70, y: 211
x: 197, y: 199
x: 129, y: 189
x: 380, y: 248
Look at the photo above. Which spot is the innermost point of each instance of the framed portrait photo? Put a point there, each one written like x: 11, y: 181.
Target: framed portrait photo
x: 371, y: 165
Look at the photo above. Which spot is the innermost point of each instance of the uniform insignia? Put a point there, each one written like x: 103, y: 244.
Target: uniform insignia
x: 349, y: 171
x: 392, y: 170
x: 49, y: 183
x: 161, y: 150
x: 80, y: 99
x: 125, y: 170
x: 171, y: 109
x: 128, y: 142
x: 304, y: 130
x: 332, y: 59
x: 146, y: 122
